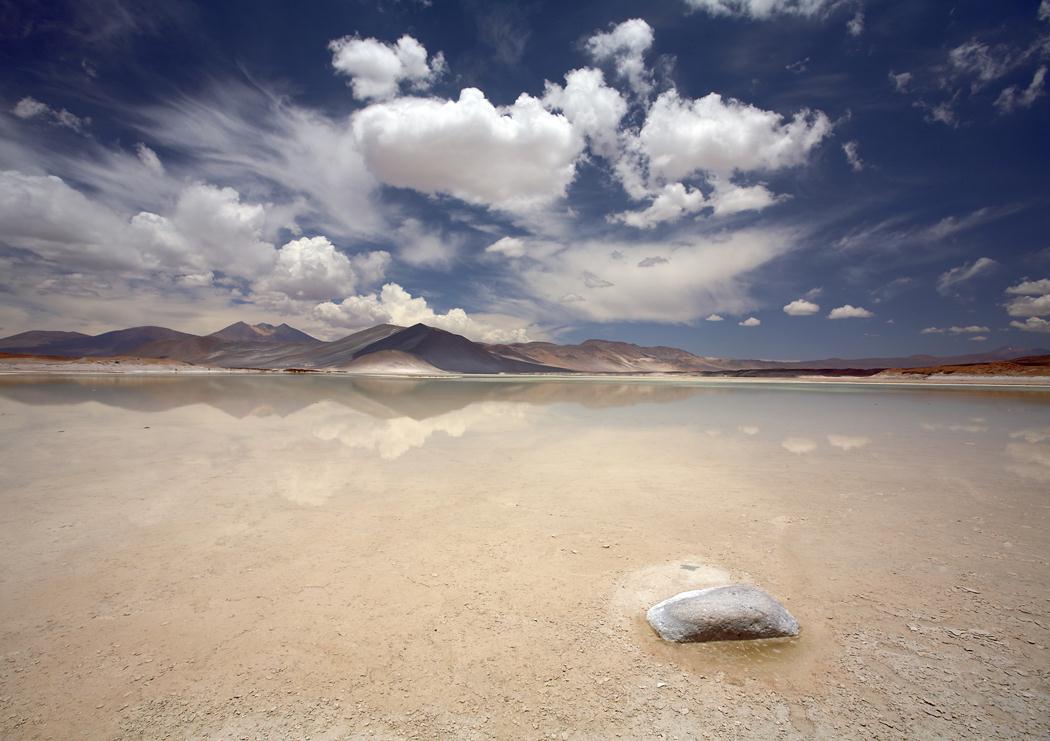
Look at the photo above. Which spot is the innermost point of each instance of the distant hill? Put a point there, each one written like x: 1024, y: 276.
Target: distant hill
x: 244, y: 332
x: 388, y: 348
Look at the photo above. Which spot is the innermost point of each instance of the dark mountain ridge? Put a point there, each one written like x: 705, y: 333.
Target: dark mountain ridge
x: 391, y: 348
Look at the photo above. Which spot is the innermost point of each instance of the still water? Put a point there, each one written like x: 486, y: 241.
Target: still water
x: 273, y: 556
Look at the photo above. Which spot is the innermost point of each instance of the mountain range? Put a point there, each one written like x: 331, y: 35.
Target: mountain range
x: 421, y: 349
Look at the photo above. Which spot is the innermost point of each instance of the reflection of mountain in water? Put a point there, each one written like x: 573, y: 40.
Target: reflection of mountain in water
x: 242, y: 396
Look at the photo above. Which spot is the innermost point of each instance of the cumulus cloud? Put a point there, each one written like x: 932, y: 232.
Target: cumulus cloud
x: 763, y: 9
x: 592, y: 107
x: 852, y: 152
x: 514, y: 158
x: 682, y: 137
x: 1012, y: 98
x: 30, y: 108
x: 714, y: 318
x: 1031, y: 298
x: 849, y: 312
x: 951, y: 279
x: 312, y: 269
x: 672, y: 202
x: 750, y: 322
x: 624, y: 46
x: 376, y: 69
x: 508, y: 246
x: 394, y: 305
x: 1032, y: 324
x: 972, y: 329
x: 801, y: 307
x: 1030, y: 288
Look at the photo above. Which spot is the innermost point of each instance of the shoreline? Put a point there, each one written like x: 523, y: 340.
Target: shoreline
x: 75, y: 368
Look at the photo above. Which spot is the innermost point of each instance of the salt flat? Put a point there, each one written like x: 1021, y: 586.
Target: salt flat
x: 264, y: 556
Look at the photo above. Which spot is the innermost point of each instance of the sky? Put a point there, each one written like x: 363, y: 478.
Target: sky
x: 747, y: 178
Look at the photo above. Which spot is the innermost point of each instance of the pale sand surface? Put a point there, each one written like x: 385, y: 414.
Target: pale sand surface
x: 327, y: 557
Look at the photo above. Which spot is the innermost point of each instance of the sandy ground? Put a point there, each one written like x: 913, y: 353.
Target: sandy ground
x: 299, y: 557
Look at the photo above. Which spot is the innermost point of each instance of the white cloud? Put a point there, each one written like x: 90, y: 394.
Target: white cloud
x: 761, y: 9
x: 798, y: 445
x: 209, y: 229
x: 682, y: 137
x: 950, y: 279
x: 150, y: 159
x: 1030, y: 288
x: 849, y: 312
x: 707, y: 276
x: 801, y: 307
x: 848, y: 442
x: 424, y: 247
x: 855, y: 26
x: 1032, y: 324
x: 376, y: 70
x: 266, y: 145
x: 901, y: 81
x: 714, y: 318
x: 312, y: 269
x: 625, y: 46
x: 1044, y: 10
x: 1029, y: 305
x: 514, y: 158
x: 750, y: 322
x: 673, y: 201
x: 979, y: 338
x: 853, y: 155
x: 728, y: 198
x: 1031, y: 298
x: 394, y: 305
x: 508, y: 246
x: 1011, y: 98
x: 592, y: 107
x: 980, y: 60
x: 31, y: 108
x: 972, y: 329
x: 951, y: 225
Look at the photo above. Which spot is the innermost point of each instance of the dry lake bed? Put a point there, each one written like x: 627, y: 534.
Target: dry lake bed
x: 326, y: 557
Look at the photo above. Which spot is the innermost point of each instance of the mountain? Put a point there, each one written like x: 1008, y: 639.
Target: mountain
x: 244, y: 332
x: 37, y: 339
x: 452, y: 352
x: 420, y: 349
x: 1005, y: 352
x: 117, y: 342
x: 604, y: 356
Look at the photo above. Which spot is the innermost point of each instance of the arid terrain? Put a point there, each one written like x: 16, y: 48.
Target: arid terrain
x: 319, y: 557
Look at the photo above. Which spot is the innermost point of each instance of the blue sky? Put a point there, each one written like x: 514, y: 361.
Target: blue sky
x: 759, y: 178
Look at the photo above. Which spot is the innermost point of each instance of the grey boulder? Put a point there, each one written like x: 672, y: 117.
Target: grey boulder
x: 734, y: 613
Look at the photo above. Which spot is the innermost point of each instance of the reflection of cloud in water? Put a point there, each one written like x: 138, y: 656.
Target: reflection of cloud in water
x: 392, y: 438
x: 748, y: 429
x: 1031, y: 458
x: 954, y: 428
x: 1034, y: 435
x: 798, y: 445
x: 847, y: 442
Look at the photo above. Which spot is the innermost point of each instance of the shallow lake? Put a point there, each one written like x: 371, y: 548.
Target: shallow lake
x: 274, y: 556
